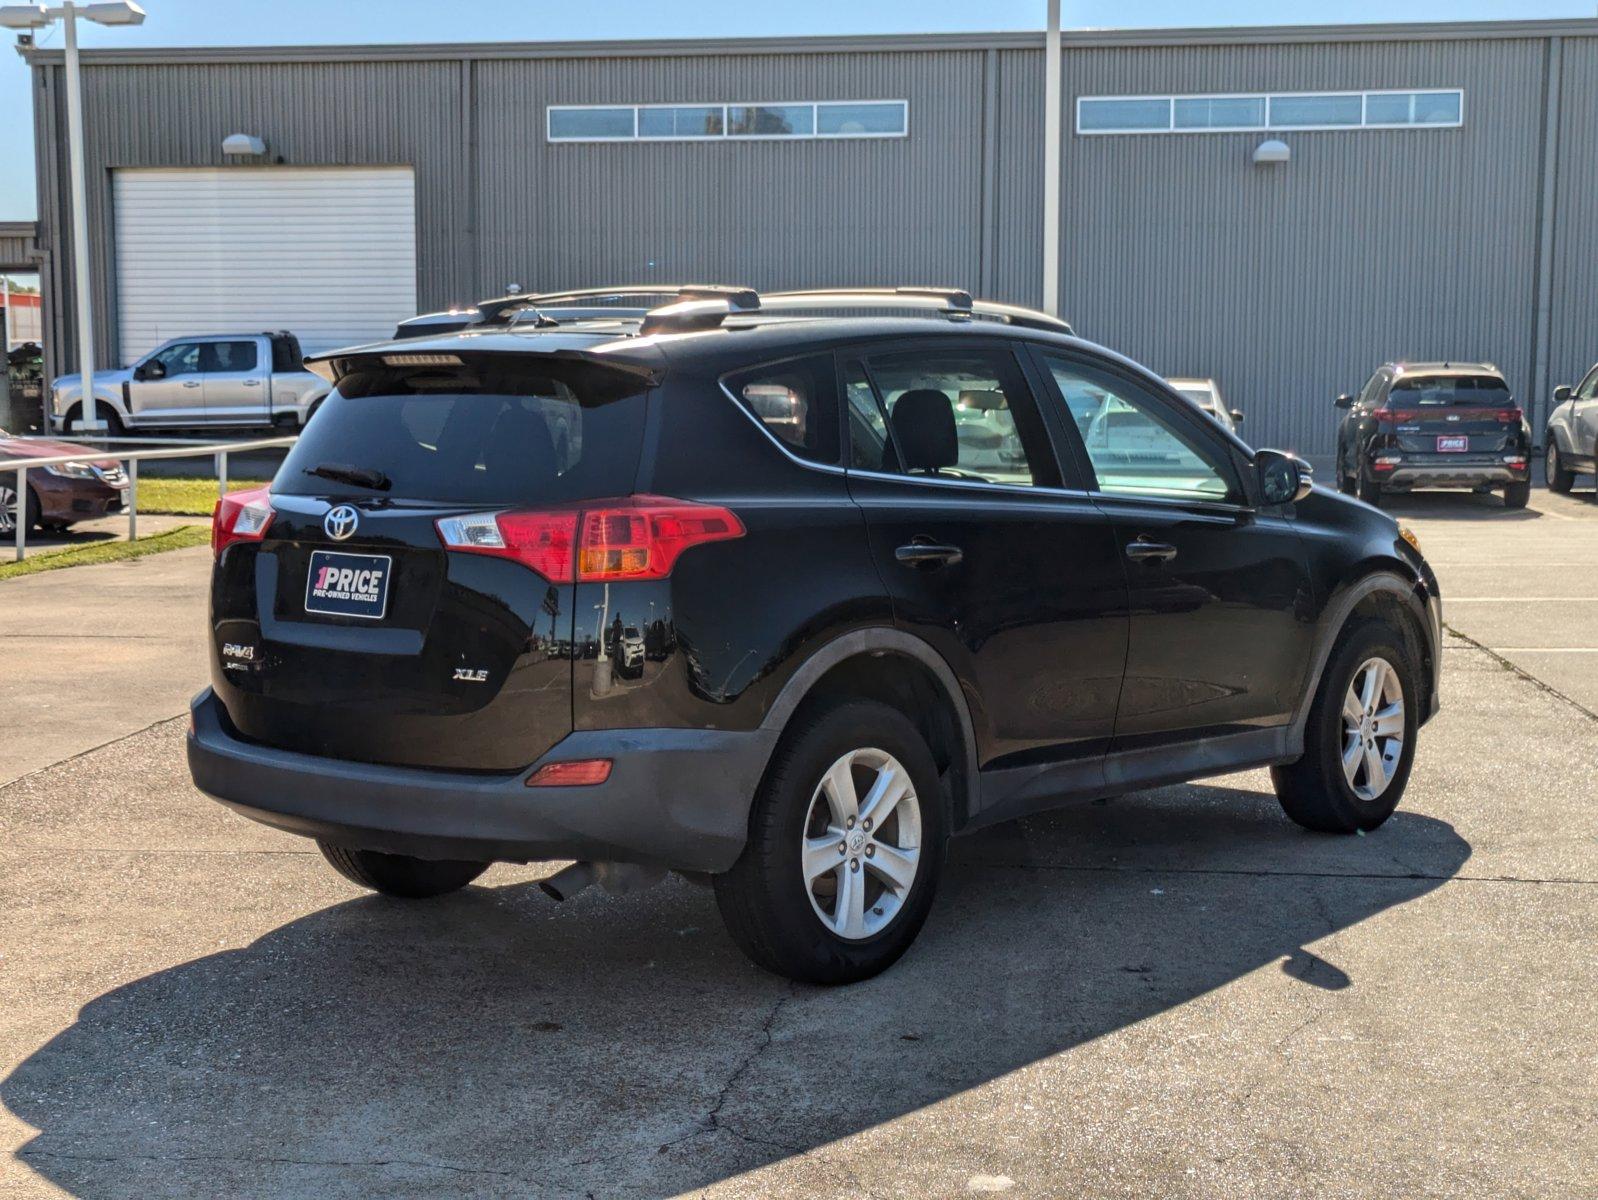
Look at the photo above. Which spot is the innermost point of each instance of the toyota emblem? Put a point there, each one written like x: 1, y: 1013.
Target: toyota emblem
x: 340, y: 522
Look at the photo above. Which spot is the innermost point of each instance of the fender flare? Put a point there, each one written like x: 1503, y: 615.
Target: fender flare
x: 1333, y: 622
x: 872, y: 641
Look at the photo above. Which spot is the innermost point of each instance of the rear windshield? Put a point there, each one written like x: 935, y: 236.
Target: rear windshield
x: 1451, y: 391
x: 493, y: 436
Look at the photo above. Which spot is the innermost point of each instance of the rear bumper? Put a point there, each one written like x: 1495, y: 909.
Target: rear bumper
x: 676, y: 798
x: 1408, y: 475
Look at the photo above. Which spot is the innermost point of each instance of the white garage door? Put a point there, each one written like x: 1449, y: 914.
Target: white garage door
x: 328, y: 253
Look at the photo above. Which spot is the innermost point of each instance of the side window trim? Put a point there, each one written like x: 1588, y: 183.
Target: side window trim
x: 1222, y: 450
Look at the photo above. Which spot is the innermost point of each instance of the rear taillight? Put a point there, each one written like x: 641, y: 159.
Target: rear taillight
x: 635, y: 538
x: 1509, y: 416
x: 1396, y: 416
x: 240, y: 517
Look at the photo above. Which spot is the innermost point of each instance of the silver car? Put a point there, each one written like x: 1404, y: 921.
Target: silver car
x: 1571, y: 440
x: 1206, y: 393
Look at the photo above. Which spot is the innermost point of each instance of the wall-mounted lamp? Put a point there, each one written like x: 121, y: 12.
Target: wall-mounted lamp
x: 244, y: 145
x: 1272, y: 150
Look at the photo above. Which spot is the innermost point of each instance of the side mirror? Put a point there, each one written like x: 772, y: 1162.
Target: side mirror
x: 1284, y: 478
x: 1561, y: 393
x: 1237, y: 416
x: 154, y: 369
x: 1344, y: 401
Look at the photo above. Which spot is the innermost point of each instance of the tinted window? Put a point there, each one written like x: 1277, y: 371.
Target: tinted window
x: 1221, y: 112
x: 1136, y: 444
x: 695, y: 120
x: 1132, y: 114
x: 228, y: 356
x: 771, y: 120
x: 493, y: 437
x: 1413, y: 108
x: 796, y: 401
x: 884, y: 119
x: 1312, y: 111
x: 1444, y: 391
x: 955, y: 415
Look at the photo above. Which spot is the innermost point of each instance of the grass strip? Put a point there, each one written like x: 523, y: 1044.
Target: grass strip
x: 104, y: 552
x: 186, y: 497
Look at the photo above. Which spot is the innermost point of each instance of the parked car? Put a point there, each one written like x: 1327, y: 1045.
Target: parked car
x: 243, y: 379
x: 877, y: 643
x: 1570, y: 443
x: 60, y: 495
x: 1206, y: 393
x: 1433, y: 425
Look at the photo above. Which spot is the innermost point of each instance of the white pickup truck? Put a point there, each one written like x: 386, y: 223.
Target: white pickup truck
x: 244, y: 379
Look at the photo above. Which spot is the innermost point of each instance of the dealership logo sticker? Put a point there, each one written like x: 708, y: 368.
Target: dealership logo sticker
x: 347, y: 585
x: 340, y: 522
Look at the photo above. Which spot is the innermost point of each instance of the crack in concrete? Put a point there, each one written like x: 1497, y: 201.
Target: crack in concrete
x: 1523, y: 673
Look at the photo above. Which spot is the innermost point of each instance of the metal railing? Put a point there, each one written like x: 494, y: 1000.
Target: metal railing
x: 219, y: 451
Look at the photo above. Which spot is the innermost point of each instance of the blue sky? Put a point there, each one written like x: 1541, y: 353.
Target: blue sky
x: 252, y: 22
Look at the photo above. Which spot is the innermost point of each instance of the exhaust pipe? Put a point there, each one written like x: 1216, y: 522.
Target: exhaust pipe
x: 616, y: 878
x: 566, y: 883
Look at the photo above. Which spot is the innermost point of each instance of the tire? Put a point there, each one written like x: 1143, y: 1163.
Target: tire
x: 1315, y: 791
x: 107, y: 414
x: 399, y: 874
x: 1559, y: 479
x: 30, y: 508
x: 1370, y: 492
x: 789, y: 924
x: 1517, y: 494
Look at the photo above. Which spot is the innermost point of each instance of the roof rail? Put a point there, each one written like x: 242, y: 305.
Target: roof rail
x: 951, y: 302
x: 504, y: 309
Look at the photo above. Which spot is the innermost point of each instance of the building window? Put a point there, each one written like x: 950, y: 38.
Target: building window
x: 1441, y: 109
x: 717, y: 122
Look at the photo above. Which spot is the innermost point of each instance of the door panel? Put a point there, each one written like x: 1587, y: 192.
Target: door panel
x: 1015, y: 581
x: 1584, y: 420
x: 178, y: 397
x: 1219, y: 594
x: 235, y: 382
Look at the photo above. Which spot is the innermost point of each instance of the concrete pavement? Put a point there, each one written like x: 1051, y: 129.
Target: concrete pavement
x: 1172, y: 994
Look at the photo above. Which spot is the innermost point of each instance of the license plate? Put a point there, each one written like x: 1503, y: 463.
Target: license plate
x: 1454, y: 443
x: 348, y: 585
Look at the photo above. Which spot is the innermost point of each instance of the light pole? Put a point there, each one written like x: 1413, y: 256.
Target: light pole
x: 1051, y: 162
x: 33, y: 16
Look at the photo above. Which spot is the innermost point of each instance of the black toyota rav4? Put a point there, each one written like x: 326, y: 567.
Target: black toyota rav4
x: 812, y: 583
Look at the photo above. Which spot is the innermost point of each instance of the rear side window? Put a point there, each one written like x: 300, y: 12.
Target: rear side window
x: 493, y: 436
x: 1450, y: 391
x: 222, y: 357
x: 796, y: 402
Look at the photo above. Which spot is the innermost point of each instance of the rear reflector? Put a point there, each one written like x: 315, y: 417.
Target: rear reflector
x: 582, y: 772
x: 637, y: 537
x: 240, y: 517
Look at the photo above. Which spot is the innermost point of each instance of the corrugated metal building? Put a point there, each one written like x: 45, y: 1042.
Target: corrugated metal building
x: 1448, y: 221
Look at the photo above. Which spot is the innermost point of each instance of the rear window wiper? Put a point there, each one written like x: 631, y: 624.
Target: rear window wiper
x: 365, y: 477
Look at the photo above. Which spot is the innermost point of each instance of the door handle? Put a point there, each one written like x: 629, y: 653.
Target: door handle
x: 191, y: 383
x: 252, y: 383
x: 926, y: 554
x: 1144, y: 550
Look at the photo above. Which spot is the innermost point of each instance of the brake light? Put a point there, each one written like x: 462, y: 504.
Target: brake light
x: 633, y: 538
x: 240, y: 517
x: 1396, y: 416
x: 1510, y: 416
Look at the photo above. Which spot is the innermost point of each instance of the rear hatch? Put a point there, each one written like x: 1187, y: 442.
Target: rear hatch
x: 1452, y: 416
x: 350, y: 628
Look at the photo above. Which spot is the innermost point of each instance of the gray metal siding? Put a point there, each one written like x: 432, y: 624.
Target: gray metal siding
x: 766, y: 213
x: 1290, y: 283
x: 1574, y: 328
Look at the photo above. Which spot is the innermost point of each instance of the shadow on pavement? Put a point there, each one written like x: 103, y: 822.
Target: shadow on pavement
x: 491, y: 1043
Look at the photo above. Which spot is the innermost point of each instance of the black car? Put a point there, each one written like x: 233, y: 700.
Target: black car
x: 864, y: 643
x: 1433, y: 425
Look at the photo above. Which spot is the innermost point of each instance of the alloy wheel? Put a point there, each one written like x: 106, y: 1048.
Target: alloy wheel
x: 862, y: 843
x: 1373, y: 728
x: 8, y: 509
